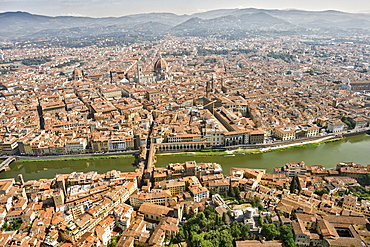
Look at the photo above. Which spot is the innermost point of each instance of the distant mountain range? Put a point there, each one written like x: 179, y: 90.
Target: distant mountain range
x: 22, y: 25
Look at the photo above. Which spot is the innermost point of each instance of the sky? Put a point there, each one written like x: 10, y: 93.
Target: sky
x: 105, y: 8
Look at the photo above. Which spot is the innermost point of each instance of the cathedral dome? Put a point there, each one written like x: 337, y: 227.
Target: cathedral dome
x: 160, y: 64
x: 76, y: 72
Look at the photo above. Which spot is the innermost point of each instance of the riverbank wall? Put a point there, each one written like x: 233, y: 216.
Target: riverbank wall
x: 284, y: 143
x: 74, y: 156
x: 299, y: 141
x: 355, y: 133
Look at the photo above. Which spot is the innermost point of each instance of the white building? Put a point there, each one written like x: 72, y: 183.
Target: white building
x: 335, y: 126
x: 76, y: 145
x: 199, y: 192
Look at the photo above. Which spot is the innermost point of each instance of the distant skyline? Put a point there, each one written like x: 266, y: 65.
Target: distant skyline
x: 105, y: 8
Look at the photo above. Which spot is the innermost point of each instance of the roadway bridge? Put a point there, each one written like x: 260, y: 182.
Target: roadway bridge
x: 4, y: 166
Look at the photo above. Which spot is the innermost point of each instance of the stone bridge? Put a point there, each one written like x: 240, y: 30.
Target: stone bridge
x: 4, y: 166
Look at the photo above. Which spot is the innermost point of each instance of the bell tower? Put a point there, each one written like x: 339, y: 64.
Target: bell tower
x: 139, y: 72
x: 208, y: 89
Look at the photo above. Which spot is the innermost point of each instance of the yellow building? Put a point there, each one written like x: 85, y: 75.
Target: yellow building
x: 285, y: 134
x: 239, y: 173
x: 112, y: 93
x: 100, y: 144
x: 312, y: 131
x: 153, y: 212
x: 159, y: 197
x: 176, y: 186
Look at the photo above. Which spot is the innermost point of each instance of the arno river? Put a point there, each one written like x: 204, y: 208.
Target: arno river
x: 355, y: 148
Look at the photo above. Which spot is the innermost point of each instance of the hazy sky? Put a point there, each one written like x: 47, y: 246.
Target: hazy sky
x: 100, y: 8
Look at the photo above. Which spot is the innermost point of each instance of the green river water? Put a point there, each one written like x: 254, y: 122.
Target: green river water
x: 355, y: 148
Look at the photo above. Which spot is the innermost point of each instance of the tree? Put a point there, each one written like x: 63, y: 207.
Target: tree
x: 181, y: 235
x: 246, y: 228
x: 202, y: 230
x: 290, y: 243
x: 231, y: 192
x: 189, y: 225
x: 255, y: 202
x: 201, y: 216
x: 268, y: 217
x: 12, y: 226
x: 212, y: 192
x: 293, y: 185
x: 365, y: 180
x: 269, y: 231
x: 286, y: 234
x: 206, y: 243
x: 196, y: 239
x: 260, y: 221
x: 226, y: 239
x: 236, y: 192
x: 194, y: 228
x: 321, y: 192
x: 235, y: 230
x: 239, y: 231
x: 218, y: 220
x: 5, y: 227
x: 214, y: 237
x: 224, y: 218
x: 202, y: 220
x: 277, y: 224
x: 113, y: 242
x: 351, y: 125
x: 208, y: 211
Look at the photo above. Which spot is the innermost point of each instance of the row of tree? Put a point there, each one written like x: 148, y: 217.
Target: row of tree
x: 283, y: 56
x: 205, y: 52
x: 69, y: 63
x: 35, y: 60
